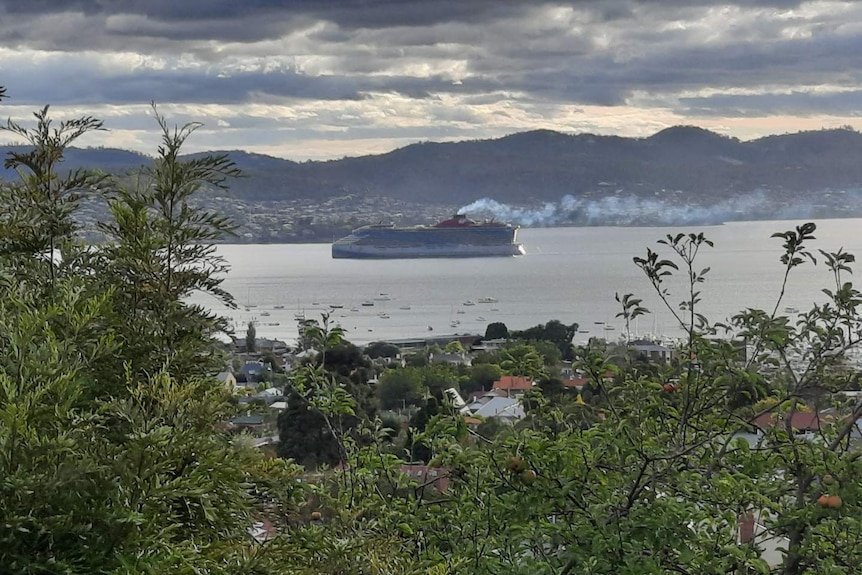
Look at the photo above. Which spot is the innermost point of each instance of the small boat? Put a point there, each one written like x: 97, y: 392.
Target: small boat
x: 487, y: 300
x: 383, y: 315
x: 460, y: 312
x: 368, y: 303
x: 791, y: 310
x: 300, y: 316
x: 404, y: 307
x: 469, y: 302
x: 264, y: 313
x: 382, y: 297
x: 278, y: 307
x: 480, y: 318
x: 609, y: 328
x: 599, y: 322
x: 354, y: 308
x: 336, y: 306
x: 454, y: 323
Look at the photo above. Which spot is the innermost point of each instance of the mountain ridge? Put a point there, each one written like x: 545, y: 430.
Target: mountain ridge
x: 679, y: 175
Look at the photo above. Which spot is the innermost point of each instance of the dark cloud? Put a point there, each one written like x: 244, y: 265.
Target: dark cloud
x: 453, y: 67
x: 793, y: 103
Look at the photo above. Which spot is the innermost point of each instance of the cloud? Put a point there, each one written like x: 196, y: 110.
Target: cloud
x: 402, y: 69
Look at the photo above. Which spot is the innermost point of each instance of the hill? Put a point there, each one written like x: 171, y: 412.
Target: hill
x: 682, y: 174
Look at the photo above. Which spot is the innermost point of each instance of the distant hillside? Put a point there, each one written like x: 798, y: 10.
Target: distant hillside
x: 684, y: 174
x: 543, y: 166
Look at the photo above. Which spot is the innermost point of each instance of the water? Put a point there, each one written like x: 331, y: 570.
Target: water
x: 569, y: 274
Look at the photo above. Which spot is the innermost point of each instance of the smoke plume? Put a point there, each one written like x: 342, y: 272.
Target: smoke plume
x: 671, y: 211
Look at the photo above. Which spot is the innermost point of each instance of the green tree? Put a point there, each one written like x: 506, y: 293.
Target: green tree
x: 250, y: 338
x: 382, y: 349
x: 106, y: 469
x: 400, y: 387
x: 161, y: 249
x: 496, y: 330
x: 522, y: 360
x: 482, y: 377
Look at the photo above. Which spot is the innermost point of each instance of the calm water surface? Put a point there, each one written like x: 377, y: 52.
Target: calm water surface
x: 570, y: 274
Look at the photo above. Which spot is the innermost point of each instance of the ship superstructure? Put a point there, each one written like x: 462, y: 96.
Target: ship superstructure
x: 456, y: 237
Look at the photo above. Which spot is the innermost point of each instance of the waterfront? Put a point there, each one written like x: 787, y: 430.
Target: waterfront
x: 570, y: 274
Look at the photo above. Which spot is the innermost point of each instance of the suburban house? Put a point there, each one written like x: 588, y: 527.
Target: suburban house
x: 512, y: 385
x: 652, y: 352
x: 228, y: 379
x: 508, y: 409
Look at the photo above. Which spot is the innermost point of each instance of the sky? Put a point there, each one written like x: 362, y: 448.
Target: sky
x: 325, y: 79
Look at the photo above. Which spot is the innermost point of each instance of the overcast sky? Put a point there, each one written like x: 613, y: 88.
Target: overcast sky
x: 318, y: 79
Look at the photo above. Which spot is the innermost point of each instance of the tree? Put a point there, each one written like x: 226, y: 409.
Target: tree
x: 482, y: 377
x: 496, y: 330
x: 382, y: 349
x: 38, y: 219
x: 400, y: 387
x: 250, y: 338
x: 161, y: 248
x: 522, y: 360
x: 106, y: 469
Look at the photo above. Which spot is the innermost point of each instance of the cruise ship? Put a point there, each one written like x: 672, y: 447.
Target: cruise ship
x: 457, y: 237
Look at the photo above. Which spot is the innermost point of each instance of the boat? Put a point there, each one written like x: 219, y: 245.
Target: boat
x: 368, y: 303
x: 336, y: 306
x: 469, y: 302
x: 487, y: 300
x: 264, y: 314
x: 278, y: 307
x: 458, y: 236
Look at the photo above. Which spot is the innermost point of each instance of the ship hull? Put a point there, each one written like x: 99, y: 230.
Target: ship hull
x: 378, y: 252
x: 456, y: 238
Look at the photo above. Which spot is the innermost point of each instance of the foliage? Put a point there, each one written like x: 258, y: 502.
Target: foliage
x: 496, y: 330
x: 105, y: 467
x: 251, y: 338
x: 382, y: 349
x: 554, y: 331
x: 400, y: 388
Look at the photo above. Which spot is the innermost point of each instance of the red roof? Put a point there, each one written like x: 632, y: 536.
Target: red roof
x: 577, y: 382
x: 799, y: 421
x: 513, y: 382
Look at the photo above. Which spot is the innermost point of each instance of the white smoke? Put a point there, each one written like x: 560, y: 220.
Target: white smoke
x: 633, y: 210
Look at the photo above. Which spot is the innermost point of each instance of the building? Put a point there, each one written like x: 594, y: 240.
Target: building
x: 513, y: 385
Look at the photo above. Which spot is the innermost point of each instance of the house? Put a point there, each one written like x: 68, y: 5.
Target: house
x: 513, y: 384
x: 801, y: 422
x: 576, y: 383
x: 450, y: 358
x: 490, y: 345
x: 506, y: 408
x: 252, y: 370
x: 248, y: 422
x: 228, y: 379
x: 650, y: 351
x: 436, y: 477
